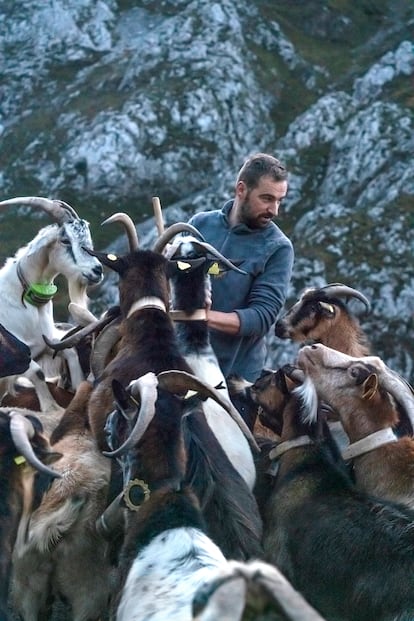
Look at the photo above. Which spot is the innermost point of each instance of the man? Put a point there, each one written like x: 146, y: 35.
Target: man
x: 244, y: 307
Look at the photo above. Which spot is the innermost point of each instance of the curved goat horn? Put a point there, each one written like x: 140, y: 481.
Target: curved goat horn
x: 398, y: 388
x: 22, y: 430
x: 174, y: 229
x: 61, y: 212
x: 339, y: 290
x: 76, y: 335
x: 104, y: 342
x: 179, y: 381
x: 144, y: 388
x: 129, y: 227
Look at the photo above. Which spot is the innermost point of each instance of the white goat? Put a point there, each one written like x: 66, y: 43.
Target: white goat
x: 27, y: 285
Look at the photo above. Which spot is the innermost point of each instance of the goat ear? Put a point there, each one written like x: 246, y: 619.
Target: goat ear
x: 183, y: 265
x: 370, y: 386
x: 108, y: 259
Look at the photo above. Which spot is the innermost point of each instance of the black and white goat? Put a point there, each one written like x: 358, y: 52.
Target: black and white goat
x: 166, y: 554
x: 350, y: 554
x: 24, y: 450
x: 27, y: 285
x: 192, y: 262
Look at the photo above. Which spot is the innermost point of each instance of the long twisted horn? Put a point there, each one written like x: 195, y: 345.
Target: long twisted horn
x: 61, y: 212
x: 129, y: 227
x: 75, y: 335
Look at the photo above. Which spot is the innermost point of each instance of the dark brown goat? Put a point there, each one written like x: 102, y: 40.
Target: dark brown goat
x: 149, y: 343
x: 22, y: 445
x: 321, y: 316
x: 15, y: 355
x: 350, y: 554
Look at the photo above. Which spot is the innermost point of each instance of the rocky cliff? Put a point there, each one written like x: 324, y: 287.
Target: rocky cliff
x: 107, y: 103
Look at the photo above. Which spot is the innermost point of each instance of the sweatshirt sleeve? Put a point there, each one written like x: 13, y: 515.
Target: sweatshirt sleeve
x: 268, y: 293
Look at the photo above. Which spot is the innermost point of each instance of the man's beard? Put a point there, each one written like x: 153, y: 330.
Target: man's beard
x: 244, y: 210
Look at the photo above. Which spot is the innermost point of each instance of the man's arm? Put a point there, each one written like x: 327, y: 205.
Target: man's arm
x: 225, y: 322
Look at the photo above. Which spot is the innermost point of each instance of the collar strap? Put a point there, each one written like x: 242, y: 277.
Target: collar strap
x: 198, y: 315
x: 281, y: 448
x: 147, y: 302
x: 36, y: 294
x: 369, y: 443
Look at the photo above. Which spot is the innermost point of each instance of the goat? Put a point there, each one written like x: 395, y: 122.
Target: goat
x: 27, y: 287
x: 24, y: 450
x: 149, y: 343
x: 15, y: 356
x: 365, y: 393
x: 349, y: 553
x: 321, y: 316
x: 63, y: 555
x: 193, y: 260
x: 254, y: 591
x: 166, y: 553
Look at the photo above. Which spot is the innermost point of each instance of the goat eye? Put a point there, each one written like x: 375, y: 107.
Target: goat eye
x: 65, y: 241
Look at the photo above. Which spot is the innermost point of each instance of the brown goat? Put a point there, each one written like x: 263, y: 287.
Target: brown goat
x: 321, y: 316
x: 63, y: 555
x: 365, y: 394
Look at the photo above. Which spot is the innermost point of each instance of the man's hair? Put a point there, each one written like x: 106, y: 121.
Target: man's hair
x: 260, y: 165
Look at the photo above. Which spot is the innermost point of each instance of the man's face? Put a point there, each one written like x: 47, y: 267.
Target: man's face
x: 259, y: 206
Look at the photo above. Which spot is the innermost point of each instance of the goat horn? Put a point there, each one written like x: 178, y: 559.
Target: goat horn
x: 156, y: 205
x: 339, y: 290
x: 180, y: 381
x: 172, y: 231
x: 144, y: 388
x: 104, y: 342
x: 129, y: 227
x: 77, y: 335
x: 60, y: 211
x: 22, y: 430
x: 80, y: 314
x: 400, y: 390
x: 205, y: 247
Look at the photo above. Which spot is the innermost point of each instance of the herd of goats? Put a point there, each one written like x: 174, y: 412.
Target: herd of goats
x: 139, y: 484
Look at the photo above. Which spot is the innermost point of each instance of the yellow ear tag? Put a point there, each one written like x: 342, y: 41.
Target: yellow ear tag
x: 111, y: 257
x: 214, y: 269
x: 183, y: 266
x: 19, y: 460
x: 190, y: 393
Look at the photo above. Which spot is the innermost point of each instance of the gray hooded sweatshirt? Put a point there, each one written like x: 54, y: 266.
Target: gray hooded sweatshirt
x: 267, y: 257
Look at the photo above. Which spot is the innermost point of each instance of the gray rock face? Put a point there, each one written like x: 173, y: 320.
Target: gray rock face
x: 106, y: 104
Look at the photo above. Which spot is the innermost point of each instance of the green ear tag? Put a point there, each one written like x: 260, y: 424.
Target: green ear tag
x: 39, y: 294
x: 19, y: 460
